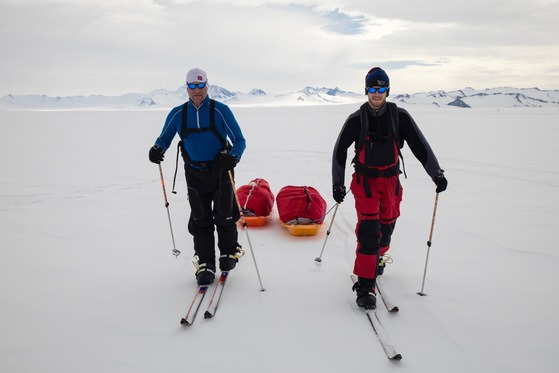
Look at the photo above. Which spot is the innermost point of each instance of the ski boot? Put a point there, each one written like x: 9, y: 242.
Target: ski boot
x: 205, y: 272
x: 227, y: 262
x: 382, y: 261
x: 366, y: 296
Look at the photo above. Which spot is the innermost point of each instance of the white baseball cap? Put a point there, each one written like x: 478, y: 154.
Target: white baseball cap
x: 196, y: 75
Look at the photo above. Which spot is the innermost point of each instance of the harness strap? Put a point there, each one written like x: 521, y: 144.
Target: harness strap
x: 369, y: 173
x: 395, y: 122
x: 364, y: 124
x: 186, y: 131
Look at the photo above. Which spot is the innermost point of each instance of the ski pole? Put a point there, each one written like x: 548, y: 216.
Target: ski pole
x: 318, y: 259
x: 245, y: 229
x: 176, y: 252
x: 429, y: 244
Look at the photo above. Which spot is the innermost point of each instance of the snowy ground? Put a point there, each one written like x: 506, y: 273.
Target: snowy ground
x: 88, y: 282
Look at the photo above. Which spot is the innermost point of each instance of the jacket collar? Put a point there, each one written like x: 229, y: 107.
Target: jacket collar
x: 376, y: 112
x: 204, y: 101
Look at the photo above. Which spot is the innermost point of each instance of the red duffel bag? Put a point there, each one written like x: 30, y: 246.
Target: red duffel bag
x: 300, y: 205
x: 256, y: 198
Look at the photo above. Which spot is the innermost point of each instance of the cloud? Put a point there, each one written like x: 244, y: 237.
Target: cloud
x: 68, y: 47
x: 331, y: 20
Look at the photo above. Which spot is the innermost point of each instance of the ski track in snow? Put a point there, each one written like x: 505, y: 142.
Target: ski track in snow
x: 89, y: 282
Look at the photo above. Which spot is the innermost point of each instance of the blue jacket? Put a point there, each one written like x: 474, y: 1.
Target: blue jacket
x: 203, y: 146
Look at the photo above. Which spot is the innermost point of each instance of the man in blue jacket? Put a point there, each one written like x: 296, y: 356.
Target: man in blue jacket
x: 211, y: 145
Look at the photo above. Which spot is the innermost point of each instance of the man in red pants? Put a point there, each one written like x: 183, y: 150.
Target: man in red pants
x: 378, y: 130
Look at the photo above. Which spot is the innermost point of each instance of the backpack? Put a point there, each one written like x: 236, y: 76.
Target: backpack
x: 256, y: 198
x: 186, y: 131
x: 300, y: 205
x: 378, y: 155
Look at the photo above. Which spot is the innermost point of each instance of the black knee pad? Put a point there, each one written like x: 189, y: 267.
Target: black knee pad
x: 368, y: 235
x: 386, y: 233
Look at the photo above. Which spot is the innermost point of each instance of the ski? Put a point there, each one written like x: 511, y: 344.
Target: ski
x: 388, y: 303
x: 188, y: 319
x: 380, y: 333
x: 218, y: 291
x: 382, y: 337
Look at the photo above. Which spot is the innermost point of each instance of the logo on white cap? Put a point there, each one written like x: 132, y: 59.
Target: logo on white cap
x: 196, y: 75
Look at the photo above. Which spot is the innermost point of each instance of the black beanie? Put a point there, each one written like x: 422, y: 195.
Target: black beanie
x: 377, y: 77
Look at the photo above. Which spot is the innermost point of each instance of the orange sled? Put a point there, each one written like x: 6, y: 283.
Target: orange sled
x: 255, y: 221
x: 302, y: 229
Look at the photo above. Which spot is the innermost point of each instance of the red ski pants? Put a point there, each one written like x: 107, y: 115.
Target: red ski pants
x: 376, y: 218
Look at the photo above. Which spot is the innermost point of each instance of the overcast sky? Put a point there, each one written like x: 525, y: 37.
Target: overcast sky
x: 112, y: 47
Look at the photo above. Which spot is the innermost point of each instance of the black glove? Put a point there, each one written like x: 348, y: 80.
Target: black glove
x: 440, y: 181
x: 156, y: 154
x: 338, y: 192
x: 228, y: 161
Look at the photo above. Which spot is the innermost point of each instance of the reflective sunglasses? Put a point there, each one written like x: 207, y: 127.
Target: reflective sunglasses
x: 375, y: 90
x: 194, y: 85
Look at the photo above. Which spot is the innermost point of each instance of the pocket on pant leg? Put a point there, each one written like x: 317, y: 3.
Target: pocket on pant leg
x: 226, y: 205
x: 390, y: 203
x: 196, y: 208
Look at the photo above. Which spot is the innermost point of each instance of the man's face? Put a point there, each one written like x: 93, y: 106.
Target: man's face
x: 376, y: 99
x: 197, y: 94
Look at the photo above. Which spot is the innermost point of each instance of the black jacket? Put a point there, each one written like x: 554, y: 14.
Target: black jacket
x: 379, y: 121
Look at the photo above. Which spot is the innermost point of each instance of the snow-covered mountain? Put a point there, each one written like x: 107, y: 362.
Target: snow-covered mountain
x: 503, y: 97
x: 490, y: 97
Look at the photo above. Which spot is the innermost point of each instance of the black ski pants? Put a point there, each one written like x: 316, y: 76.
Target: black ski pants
x: 213, y: 207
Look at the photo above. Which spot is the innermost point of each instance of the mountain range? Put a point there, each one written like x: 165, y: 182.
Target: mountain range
x: 502, y: 97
